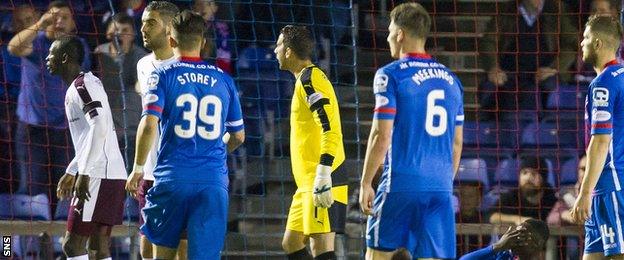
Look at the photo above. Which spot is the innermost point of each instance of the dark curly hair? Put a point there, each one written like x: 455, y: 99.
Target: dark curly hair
x: 299, y: 40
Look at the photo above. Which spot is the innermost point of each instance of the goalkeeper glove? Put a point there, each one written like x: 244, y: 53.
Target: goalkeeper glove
x: 322, y: 187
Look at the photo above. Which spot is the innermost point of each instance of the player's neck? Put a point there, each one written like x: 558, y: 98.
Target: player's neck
x: 70, y: 73
x: 601, y: 62
x: 412, y: 47
x: 163, y: 53
x: 184, y: 53
x: 298, y: 66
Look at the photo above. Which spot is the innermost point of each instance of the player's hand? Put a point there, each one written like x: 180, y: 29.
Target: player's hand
x: 65, y: 186
x: 132, y: 184
x: 81, y: 188
x: 545, y: 72
x: 580, y: 211
x: 514, y: 237
x: 497, y: 76
x: 367, y: 196
x: 46, y: 20
x: 322, y: 187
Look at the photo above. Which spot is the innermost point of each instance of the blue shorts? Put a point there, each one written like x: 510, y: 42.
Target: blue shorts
x: 422, y: 222
x: 603, y: 229
x: 200, y: 209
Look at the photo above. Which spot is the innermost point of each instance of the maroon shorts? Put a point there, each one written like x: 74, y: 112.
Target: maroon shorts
x: 144, y: 186
x: 104, y: 208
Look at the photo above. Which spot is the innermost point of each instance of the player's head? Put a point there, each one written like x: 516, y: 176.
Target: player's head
x: 206, y: 8
x: 539, y: 234
x: 63, y: 22
x: 65, y: 51
x: 602, y: 37
x: 294, y: 43
x: 408, y: 21
x: 605, y: 7
x: 533, y: 173
x: 187, y: 31
x: 121, y: 26
x: 155, y: 24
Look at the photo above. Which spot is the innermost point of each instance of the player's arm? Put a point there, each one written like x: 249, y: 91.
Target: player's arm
x: 378, y: 144
x: 601, y: 100
x: 234, y: 124
x: 318, y: 91
x: 96, y: 137
x: 153, y: 104
x: 380, y: 136
x: 234, y: 140
x: 65, y: 185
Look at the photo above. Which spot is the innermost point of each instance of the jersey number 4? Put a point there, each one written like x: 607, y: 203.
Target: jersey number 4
x: 191, y: 116
x: 435, y: 111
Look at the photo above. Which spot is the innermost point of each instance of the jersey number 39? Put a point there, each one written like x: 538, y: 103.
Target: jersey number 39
x: 435, y: 111
x: 191, y: 116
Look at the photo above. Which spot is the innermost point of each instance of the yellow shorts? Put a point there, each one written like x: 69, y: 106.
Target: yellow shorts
x: 306, y: 218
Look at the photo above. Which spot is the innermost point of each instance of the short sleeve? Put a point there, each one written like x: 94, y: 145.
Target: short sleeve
x: 601, y: 101
x: 384, y: 88
x: 459, y: 118
x: 234, y: 119
x: 154, y: 99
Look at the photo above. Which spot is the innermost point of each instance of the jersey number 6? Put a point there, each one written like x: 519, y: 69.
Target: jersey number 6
x: 433, y: 111
x: 191, y: 116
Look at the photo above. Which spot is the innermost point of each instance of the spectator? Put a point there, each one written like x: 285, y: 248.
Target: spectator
x: 533, y: 198
x: 524, y: 49
x: 526, y: 241
x: 42, y: 139
x: 218, y: 44
x: 560, y: 214
x: 117, y: 61
x: 22, y: 17
x: 134, y: 9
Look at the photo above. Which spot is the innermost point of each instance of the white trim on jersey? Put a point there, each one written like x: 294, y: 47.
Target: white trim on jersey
x: 89, y: 206
x: 234, y: 123
x: 618, y: 222
x: 378, y: 217
x: 614, y: 173
x: 460, y: 118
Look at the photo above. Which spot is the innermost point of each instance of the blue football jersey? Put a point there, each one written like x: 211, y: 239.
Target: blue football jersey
x: 196, y: 103
x: 425, y: 100
x: 604, y: 113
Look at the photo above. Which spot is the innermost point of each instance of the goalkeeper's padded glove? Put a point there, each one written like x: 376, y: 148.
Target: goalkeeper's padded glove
x: 322, y: 187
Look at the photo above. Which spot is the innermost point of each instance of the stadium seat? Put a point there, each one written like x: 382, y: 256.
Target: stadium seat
x: 62, y: 209
x: 569, y: 172
x: 566, y: 97
x: 131, y: 209
x: 506, y: 173
x: 24, y: 207
x: 549, y: 135
x: 471, y: 171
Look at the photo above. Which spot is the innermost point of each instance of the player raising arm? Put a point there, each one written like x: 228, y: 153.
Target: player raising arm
x: 417, y: 135
x: 98, y: 200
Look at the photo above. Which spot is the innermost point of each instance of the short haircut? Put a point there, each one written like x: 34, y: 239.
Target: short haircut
x: 59, y: 4
x: 299, y: 40
x: 606, y: 28
x: 166, y: 10
x: 72, y: 46
x: 539, y: 230
x: 412, y: 18
x: 535, y: 162
x: 188, y: 29
x: 122, y: 18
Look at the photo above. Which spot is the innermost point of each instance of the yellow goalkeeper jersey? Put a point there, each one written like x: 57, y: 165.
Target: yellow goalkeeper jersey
x: 315, y: 131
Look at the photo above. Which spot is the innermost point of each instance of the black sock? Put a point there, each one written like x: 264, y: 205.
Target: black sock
x: 300, y: 255
x: 326, y: 256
